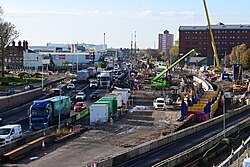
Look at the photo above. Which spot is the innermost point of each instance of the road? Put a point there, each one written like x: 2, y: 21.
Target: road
x: 181, y: 145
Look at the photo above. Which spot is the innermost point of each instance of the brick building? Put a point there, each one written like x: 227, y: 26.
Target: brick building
x: 225, y: 36
x: 14, y: 55
x: 165, y: 41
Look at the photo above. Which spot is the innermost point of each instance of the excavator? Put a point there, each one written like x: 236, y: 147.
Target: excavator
x: 216, y: 69
x: 159, y: 82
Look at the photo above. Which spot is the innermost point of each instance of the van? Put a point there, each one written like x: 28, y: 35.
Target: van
x: 9, y: 133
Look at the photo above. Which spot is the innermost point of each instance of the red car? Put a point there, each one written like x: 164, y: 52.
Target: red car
x: 79, y: 106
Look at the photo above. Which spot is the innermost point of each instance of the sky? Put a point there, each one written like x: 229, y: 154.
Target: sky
x: 86, y: 21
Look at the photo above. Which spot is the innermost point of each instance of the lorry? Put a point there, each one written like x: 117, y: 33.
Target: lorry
x: 8, y: 133
x: 99, y: 113
x: 82, y: 75
x: 159, y: 103
x: 93, y: 83
x: 92, y: 71
x: 44, y: 113
x: 105, y: 79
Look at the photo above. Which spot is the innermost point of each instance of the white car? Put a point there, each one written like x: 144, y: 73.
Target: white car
x: 80, y: 96
x: 71, y: 86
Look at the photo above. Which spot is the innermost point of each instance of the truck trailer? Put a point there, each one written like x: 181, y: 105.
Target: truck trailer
x: 44, y: 113
x: 82, y: 75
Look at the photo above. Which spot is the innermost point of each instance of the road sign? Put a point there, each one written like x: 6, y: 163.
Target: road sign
x: 45, y: 61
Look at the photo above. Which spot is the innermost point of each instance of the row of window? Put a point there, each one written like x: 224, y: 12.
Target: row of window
x: 218, y: 37
x: 14, y: 60
x: 217, y: 31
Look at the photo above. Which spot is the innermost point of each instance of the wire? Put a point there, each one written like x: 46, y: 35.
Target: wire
x: 191, y: 163
x: 210, y: 149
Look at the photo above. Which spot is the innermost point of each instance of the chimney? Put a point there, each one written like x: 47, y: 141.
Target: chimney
x: 26, y: 44
x: 19, y: 43
x: 13, y: 43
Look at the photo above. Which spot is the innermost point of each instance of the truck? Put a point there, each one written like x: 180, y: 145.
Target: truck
x: 99, y: 113
x: 93, y: 83
x: 82, y: 75
x: 159, y: 103
x: 105, y: 79
x: 92, y: 71
x: 44, y: 113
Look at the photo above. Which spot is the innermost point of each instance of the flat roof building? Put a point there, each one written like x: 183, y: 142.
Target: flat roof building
x: 225, y: 36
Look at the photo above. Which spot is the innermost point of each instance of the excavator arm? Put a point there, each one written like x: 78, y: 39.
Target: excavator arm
x: 164, y: 83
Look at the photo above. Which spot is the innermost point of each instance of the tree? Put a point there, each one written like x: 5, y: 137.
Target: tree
x: 237, y: 53
x: 174, y: 51
x: 7, y: 35
x: 245, y: 59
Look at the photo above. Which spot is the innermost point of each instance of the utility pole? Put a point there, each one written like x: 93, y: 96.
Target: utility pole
x: 103, y: 41
x: 131, y: 50
x: 135, y: 45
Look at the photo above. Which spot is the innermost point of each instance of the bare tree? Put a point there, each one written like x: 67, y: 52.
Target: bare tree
x: 7, y: 35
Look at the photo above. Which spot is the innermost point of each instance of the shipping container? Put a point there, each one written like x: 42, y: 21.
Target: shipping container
x: 99, y: 113
x: 113, y: 100
x: 118, y: 98
x: 123, y: 93
x: 110, y: 107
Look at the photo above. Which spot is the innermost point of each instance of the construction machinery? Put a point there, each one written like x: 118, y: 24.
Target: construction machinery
x: 238, y: 84
x: 216, y: 69
x: 159, y: 82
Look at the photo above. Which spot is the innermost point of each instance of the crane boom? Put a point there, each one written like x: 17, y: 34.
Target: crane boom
x: 217, y: 64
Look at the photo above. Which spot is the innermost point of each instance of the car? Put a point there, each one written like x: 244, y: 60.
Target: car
x: 80, y: 96
x: 71, y: 86
x: 95, y: 95
x: 79, y: 106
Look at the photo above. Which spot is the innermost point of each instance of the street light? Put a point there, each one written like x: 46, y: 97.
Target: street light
x: 59, y: 116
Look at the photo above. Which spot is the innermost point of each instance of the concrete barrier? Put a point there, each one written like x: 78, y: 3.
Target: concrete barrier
x: 199, y: 149
x: 11, y: 146
x: 205, y: 85
x: 141, y: 149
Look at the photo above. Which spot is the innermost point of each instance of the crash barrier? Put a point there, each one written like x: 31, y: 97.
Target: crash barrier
x: 200, y: 148
x: 25, y: 148
x: 25, y: 139
x: 146, y: 147
x: 12, y: 101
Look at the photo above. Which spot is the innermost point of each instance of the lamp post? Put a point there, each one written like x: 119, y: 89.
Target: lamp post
x: 59, y: 116
x: 42, y: 75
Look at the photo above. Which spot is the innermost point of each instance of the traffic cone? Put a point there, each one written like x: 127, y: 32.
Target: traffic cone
x: 93, y: 164
x: 43, y: 145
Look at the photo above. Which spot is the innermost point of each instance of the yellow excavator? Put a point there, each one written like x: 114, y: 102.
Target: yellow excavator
x: 217, y: 68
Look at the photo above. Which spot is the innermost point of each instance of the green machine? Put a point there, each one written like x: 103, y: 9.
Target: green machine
x: 164, y: 82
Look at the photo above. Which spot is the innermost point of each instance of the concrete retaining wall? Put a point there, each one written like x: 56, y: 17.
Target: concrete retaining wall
x: 141, y: 149
x: 8, y: 102
x: 205, y: 85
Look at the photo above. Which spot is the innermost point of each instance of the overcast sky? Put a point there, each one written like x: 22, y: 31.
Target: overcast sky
x: 72, y: 21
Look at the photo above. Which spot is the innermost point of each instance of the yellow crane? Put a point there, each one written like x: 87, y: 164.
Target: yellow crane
x: 216, y: 62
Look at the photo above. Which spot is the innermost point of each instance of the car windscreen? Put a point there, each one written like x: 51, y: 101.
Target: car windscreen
x: 38, y: 112
x: 5, y: 131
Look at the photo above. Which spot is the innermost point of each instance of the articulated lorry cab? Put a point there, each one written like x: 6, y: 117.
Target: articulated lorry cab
x: 44, y: 113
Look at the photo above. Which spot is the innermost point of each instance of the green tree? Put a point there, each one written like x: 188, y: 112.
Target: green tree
x: 7, y: 35
x: 174, y: 51
x: 245, y: 59
x: 237, y: 53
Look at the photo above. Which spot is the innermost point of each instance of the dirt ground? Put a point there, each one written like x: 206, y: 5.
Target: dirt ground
x: 136, y: 127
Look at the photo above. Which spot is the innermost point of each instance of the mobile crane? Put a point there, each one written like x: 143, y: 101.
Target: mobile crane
x: 164, y: 83
x: 217, y: 68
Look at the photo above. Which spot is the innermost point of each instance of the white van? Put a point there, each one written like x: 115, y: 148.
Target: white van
x: 9, y: 133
